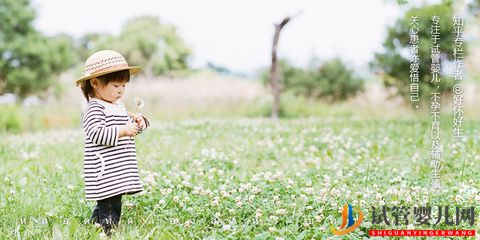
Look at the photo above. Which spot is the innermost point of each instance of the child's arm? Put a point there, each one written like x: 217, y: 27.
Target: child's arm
x: 95, y: 128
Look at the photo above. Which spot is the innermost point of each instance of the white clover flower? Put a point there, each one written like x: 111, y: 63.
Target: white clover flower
x: 256, y: 190
x: 224, y: 194
x: 175, y: 198
x: 163, y: 191
x: 290, y: 181
x: 215, y: 201
x: 272, y: 229
x: 258, y: 213
x: 205, y: 152
x: 226, y: 227
x: 58, y: 166
x: 150, y: 180
x: 186, y: 183
x: 281, y: 212
x: 304, y: 197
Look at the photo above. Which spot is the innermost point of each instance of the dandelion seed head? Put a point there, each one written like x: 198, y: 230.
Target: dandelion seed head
x: 139, y: 103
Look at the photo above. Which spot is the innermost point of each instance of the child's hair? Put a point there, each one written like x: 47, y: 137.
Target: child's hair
x: 87, y: 88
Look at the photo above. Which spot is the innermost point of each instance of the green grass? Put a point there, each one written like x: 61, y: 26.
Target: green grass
x: 239, y: 179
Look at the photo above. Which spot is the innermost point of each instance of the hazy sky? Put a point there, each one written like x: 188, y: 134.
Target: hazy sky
x: 238, y: 34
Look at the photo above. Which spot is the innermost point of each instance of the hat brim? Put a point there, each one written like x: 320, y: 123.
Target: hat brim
x: 131, y: 69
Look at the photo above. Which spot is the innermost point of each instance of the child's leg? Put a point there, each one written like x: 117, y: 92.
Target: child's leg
x: 109, y: 212
x: 94, y: 218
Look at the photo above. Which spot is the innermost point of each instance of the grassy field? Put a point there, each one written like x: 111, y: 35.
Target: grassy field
x: 240, y: 179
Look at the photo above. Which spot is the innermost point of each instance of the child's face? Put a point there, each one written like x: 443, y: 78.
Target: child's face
x: 111, y: 92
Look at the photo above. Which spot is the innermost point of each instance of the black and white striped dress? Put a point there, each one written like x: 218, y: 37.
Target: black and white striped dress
x: 110, y: 162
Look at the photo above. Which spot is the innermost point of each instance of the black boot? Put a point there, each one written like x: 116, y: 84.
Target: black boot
x: 109, y: 212
x: 94, y: 218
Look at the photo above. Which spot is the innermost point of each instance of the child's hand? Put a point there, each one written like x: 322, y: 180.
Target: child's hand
x: 128, y: 130
x: 139, y: 120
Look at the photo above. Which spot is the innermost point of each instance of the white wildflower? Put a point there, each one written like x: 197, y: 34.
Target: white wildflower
x: 139, y: 103
x: 281, y: 211
x: 226, y: 227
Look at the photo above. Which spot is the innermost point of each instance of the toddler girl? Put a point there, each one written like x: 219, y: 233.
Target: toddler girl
x: 110, y: 164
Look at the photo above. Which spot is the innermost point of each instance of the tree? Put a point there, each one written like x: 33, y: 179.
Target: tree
x: 147, y: 42
x: 29, y: 61
x: 394, y: 61
x: 276, y: 87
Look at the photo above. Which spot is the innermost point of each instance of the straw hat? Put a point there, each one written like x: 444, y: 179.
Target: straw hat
x: 104, y: 62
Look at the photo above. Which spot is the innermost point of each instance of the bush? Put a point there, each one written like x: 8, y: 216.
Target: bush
x: 332, y: 81
x: 9, y: 119
x: 18, y: 119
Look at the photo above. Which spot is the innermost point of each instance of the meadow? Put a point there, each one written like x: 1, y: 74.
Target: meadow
x: 242, y: 179
x: 233, y: 174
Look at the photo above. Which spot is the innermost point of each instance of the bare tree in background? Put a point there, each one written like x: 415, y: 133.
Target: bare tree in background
x: 274, y: 82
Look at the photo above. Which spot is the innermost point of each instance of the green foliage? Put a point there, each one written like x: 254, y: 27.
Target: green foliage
x: 474, y: 7
x: 239, y: 179
x: 332, y: 81
x: 144, y: 41
x: 394, y: 61
x: 20, y: 119
x: 9, y: 119
x: 29, y: 61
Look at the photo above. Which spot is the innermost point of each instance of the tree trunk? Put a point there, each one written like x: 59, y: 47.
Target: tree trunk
x: 274, y: 82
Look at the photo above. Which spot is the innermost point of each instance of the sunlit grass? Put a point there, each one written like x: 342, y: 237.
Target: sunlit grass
x: 240, y: 178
